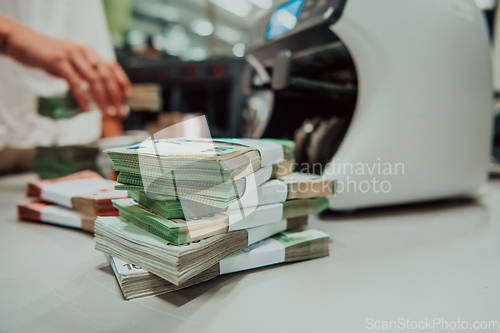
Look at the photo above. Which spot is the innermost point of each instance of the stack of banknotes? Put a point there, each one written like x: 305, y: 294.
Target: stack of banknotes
x: 57, y: 161
x: 145, y: 97
x: 52, y: 162
x: 72, y: 201
x: 58, y: 107
x: 201, y: 208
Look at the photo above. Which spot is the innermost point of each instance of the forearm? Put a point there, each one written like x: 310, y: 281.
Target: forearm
x: 7, y: 29
x: 79, y: 65
x: 10, y: 30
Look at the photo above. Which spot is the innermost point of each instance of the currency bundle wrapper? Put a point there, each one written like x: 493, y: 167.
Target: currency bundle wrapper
x: 72, y: 201
x: 198, y: 208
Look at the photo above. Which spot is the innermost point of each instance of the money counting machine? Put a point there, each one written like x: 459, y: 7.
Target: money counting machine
x: 392, y: 98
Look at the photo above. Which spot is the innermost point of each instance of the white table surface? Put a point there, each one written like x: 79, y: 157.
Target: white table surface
x: 437, y: 260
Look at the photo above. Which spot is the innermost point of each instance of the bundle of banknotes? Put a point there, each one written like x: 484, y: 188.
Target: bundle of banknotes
x: 57, y: 161
x: 145, y: 97
x: 288, y: 246
x: 201, y: 208
x: 58, y: 107
x: 52, y: 162
x: 72, y: 201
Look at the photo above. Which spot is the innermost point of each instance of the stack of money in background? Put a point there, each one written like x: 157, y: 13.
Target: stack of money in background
x: 168, y: 119
x: 73, y: 201
x: 58, y: 107
x: 58, y: 161
x: 52, y: 162
x: 196, y: 202
x: 145, y: 97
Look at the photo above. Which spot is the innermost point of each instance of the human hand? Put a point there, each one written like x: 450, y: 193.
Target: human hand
x: 79, y: 65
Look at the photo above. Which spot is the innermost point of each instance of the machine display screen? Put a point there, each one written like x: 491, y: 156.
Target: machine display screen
x: 284, y: 18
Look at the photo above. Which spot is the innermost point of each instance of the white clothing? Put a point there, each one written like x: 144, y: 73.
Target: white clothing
x: 80, y: 21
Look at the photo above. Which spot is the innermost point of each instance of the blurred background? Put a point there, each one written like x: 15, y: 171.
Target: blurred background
x: 194, y: 49
x: 190, y: 29
x: 188, y: 58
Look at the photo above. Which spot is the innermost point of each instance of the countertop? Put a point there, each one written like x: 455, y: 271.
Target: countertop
x: 419, y: 262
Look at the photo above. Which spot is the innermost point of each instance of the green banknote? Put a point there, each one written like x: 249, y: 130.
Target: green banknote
x: 58, y: 107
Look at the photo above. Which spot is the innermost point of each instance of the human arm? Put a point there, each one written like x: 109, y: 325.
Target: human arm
x: 81, y: 66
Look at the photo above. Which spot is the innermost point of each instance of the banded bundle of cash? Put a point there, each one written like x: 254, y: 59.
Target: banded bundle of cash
x: 54, y: 162
x: 40, y: 211
x: 281, y: 190
x: 34, y: 187
x: 85, y: 191
x: 177, y: 263
x: 194, y: 203
x: 288, y: 246
x: 58, y: 107
x: 145, y: 97
x: 74, y: 201
x: 207, y: 172
x: 181, y: 231
x: 57, y: 161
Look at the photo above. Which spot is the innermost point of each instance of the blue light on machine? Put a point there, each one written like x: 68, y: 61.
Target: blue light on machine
x: 284, y: 18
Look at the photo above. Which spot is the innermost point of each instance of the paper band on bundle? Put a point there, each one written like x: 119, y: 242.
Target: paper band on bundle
x: 259, y: 233
x: 270, y: 152
x: 264, y: 253
x: 62, y: 192
x: 61, y: 216
x: 261, y: 215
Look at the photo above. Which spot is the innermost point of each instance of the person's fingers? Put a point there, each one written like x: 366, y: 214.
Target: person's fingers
x: 89, y: 73
x: 123, y: 80
x: 125, y: 111
x: 76, y: 83
x: 114, y: 94
x: 113, y: 90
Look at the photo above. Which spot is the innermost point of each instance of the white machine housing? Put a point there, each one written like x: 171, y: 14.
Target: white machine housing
x: 424, y: 102
x: 424, y: 99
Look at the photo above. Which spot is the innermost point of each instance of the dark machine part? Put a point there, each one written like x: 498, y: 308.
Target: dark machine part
x: 496, y: 138
x: 303, y: 83
x: 212, y: 87
x: 317, y: 140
